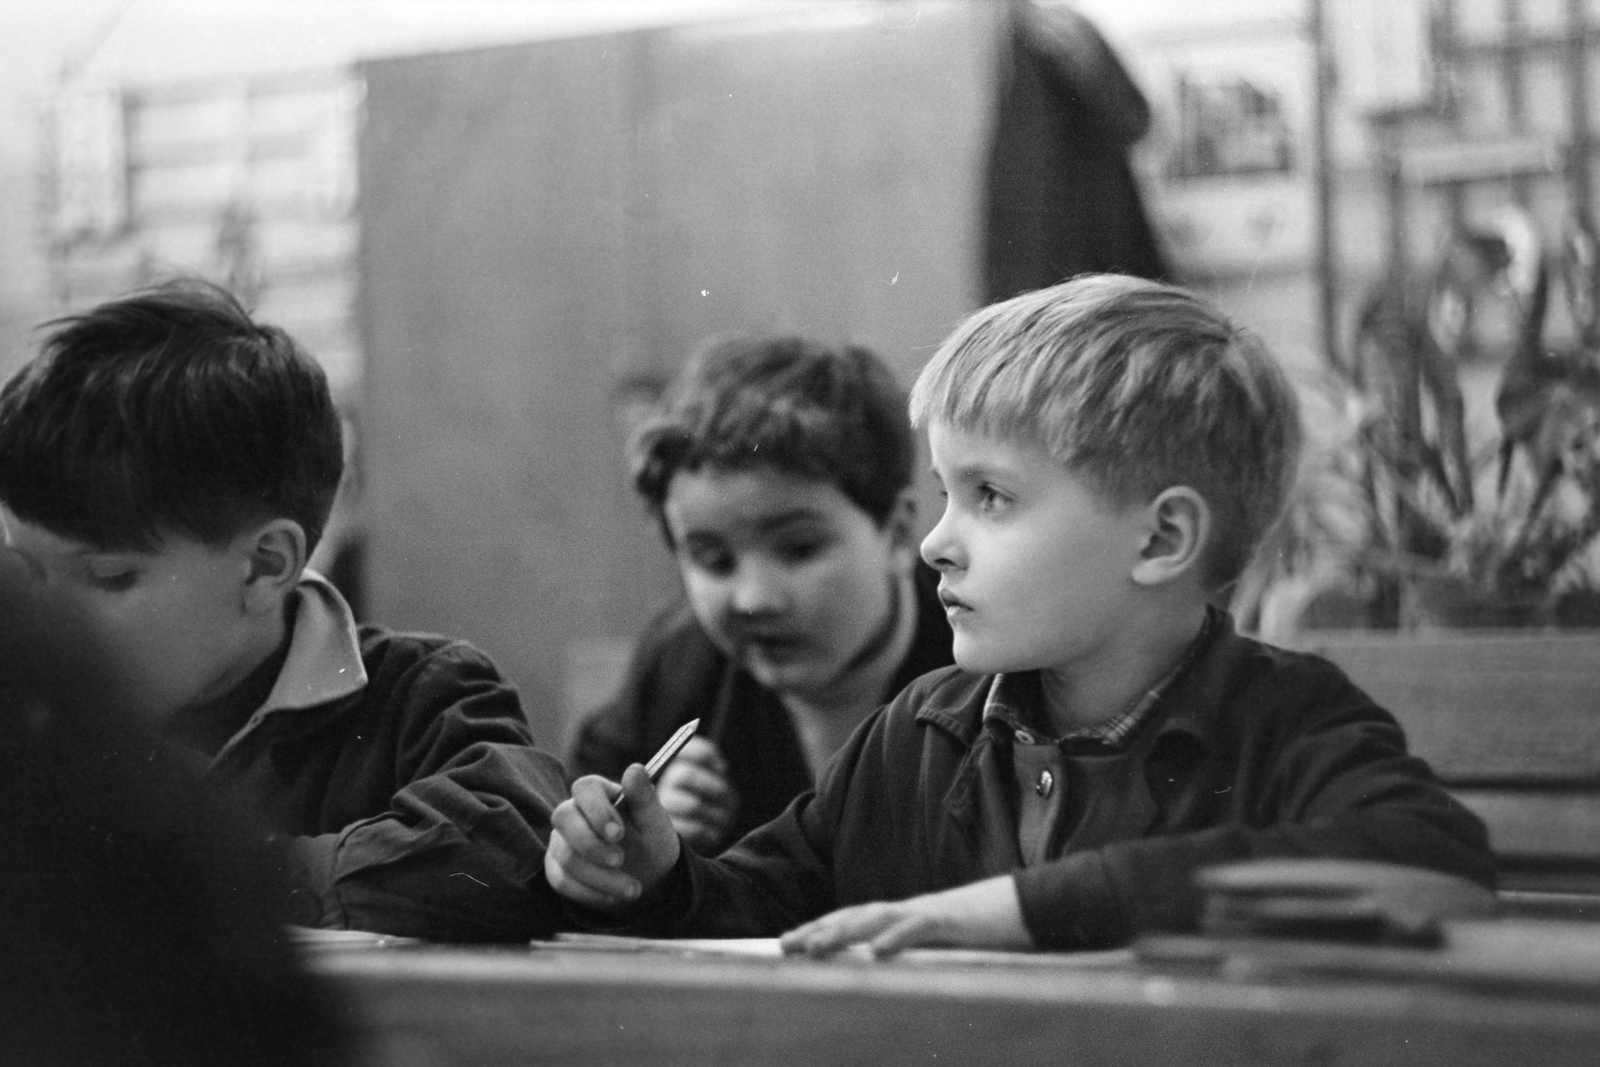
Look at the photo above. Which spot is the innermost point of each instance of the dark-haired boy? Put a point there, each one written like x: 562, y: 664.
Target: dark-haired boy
x: 1111, y: 451
x: 779, y: 469
x: 166, y: 468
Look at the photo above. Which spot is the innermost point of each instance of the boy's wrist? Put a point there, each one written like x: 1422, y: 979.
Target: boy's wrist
x: 1071, y: 904
x: 989, y: 914
x: 671, y: 893
x: 662, y: 903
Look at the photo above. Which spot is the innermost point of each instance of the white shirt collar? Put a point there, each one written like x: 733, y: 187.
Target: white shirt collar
x: 324, y: 661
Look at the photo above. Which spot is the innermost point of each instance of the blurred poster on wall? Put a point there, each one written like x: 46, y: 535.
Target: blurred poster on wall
x: 1229, y: 161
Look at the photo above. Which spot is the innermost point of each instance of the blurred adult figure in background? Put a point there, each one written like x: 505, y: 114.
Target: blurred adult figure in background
x: 1062, y: 199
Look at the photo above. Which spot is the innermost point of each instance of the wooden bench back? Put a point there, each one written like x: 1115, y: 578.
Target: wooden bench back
x: 1510, y: 721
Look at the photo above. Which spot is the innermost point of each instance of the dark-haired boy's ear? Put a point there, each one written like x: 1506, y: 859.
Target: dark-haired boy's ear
x: 1176, y: 534
x: 277, y: 556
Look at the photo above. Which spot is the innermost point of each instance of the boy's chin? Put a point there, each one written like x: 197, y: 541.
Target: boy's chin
x: 799, y: 678
x: 979, y: 658
x: 981, y: 661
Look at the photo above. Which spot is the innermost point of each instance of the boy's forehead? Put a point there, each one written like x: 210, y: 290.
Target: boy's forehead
x: 33, y: 538
x: 755, y: 479
x: 40, y: 540
x: 959, y: 445
x: 760, y: 495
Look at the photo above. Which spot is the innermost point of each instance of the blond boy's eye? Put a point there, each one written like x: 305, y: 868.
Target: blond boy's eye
x: 992, y: 501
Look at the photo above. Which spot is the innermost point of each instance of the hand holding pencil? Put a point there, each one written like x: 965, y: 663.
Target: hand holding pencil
x: 611, y: 843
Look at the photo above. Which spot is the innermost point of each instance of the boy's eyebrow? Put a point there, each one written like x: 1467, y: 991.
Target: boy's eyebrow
x: 89, y: 550
x: 789, y: 518
x: 972, y: 472
x: 769, y: 523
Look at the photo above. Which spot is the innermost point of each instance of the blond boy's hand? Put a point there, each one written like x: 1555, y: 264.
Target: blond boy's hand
x: 982, y: 914
x: 605, y: 857
x: 695, y: 791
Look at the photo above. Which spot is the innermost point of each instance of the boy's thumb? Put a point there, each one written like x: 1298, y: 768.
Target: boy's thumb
x: 637, y: 790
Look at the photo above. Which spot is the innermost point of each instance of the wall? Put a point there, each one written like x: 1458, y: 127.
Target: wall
x: 542, y: 222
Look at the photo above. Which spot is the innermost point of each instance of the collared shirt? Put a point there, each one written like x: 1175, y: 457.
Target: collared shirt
x: 1015, y: 705
x: 324, y: 658
x: 319, y: 660
x: 401, y: 770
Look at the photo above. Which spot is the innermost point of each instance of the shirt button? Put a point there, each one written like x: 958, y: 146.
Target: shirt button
x: 1024, y: 737
x: 1046, y: 784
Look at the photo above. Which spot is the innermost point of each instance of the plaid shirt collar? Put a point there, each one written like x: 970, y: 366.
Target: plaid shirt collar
x: 1016, y: 703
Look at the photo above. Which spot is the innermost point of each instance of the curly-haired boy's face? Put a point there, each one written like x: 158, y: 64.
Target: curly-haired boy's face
x: 1034, y: 564
x: 168, y: 621
x: 785, y: 574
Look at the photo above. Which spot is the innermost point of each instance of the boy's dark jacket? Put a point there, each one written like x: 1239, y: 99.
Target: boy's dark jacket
x: 677, y: 674
x: 1255, y: 751
x: 416, y: 805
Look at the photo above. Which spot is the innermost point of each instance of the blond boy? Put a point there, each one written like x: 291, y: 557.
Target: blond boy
x: 1111, y: 451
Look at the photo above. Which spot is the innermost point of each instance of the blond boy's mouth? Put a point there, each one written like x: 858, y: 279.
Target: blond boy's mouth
x: 953, y: 605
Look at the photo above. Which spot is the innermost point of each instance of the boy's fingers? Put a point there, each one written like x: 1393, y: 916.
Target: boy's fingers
x: 907, y: 932
x: 579, y: 891
x: 687, y: 806
x: 573, y: 875
x: 642, y: 801
x: 698, y: 783
x: 696, y: 834
x: 837, y: 931
x: 702, y: 752
x: 593, y: 796
x: 572, y: 825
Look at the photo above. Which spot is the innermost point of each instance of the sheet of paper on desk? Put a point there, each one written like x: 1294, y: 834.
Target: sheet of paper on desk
x: 316, y: 937
x: 735, y: 946
x: 768, y: 948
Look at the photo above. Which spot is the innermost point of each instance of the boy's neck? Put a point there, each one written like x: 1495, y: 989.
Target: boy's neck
x: 1084, y: 695
x: 824, y: 720
x: 209, y: 726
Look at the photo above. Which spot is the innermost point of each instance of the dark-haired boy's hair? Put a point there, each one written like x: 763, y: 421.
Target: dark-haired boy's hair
x: 784, y: 404
x: 168, y: 411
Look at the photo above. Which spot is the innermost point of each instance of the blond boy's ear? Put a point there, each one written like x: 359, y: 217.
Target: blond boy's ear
x: 276, y: 552
x: 1177, y: 530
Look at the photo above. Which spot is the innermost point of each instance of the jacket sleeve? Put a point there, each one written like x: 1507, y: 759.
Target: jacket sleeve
x: 458, y: 854
x: 774, y: 878
x: 1333, y: 781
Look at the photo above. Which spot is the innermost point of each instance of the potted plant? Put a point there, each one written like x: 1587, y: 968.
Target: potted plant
x: 1454, y: 473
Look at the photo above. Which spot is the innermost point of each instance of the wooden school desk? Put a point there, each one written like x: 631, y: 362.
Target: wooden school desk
x: 1500, y: 993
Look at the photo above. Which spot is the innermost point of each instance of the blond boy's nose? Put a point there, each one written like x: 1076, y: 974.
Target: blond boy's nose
x: 937, y: 549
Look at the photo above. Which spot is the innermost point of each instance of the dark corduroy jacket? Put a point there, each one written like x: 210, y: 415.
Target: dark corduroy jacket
x: 677, y: 674
x: 415, y: 805
x: 1254, y: 751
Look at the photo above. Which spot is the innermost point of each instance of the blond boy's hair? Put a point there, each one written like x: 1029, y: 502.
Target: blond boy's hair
x: 1135, y: 387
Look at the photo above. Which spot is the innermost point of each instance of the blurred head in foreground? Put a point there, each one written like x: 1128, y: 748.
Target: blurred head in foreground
x: 139, y: 925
